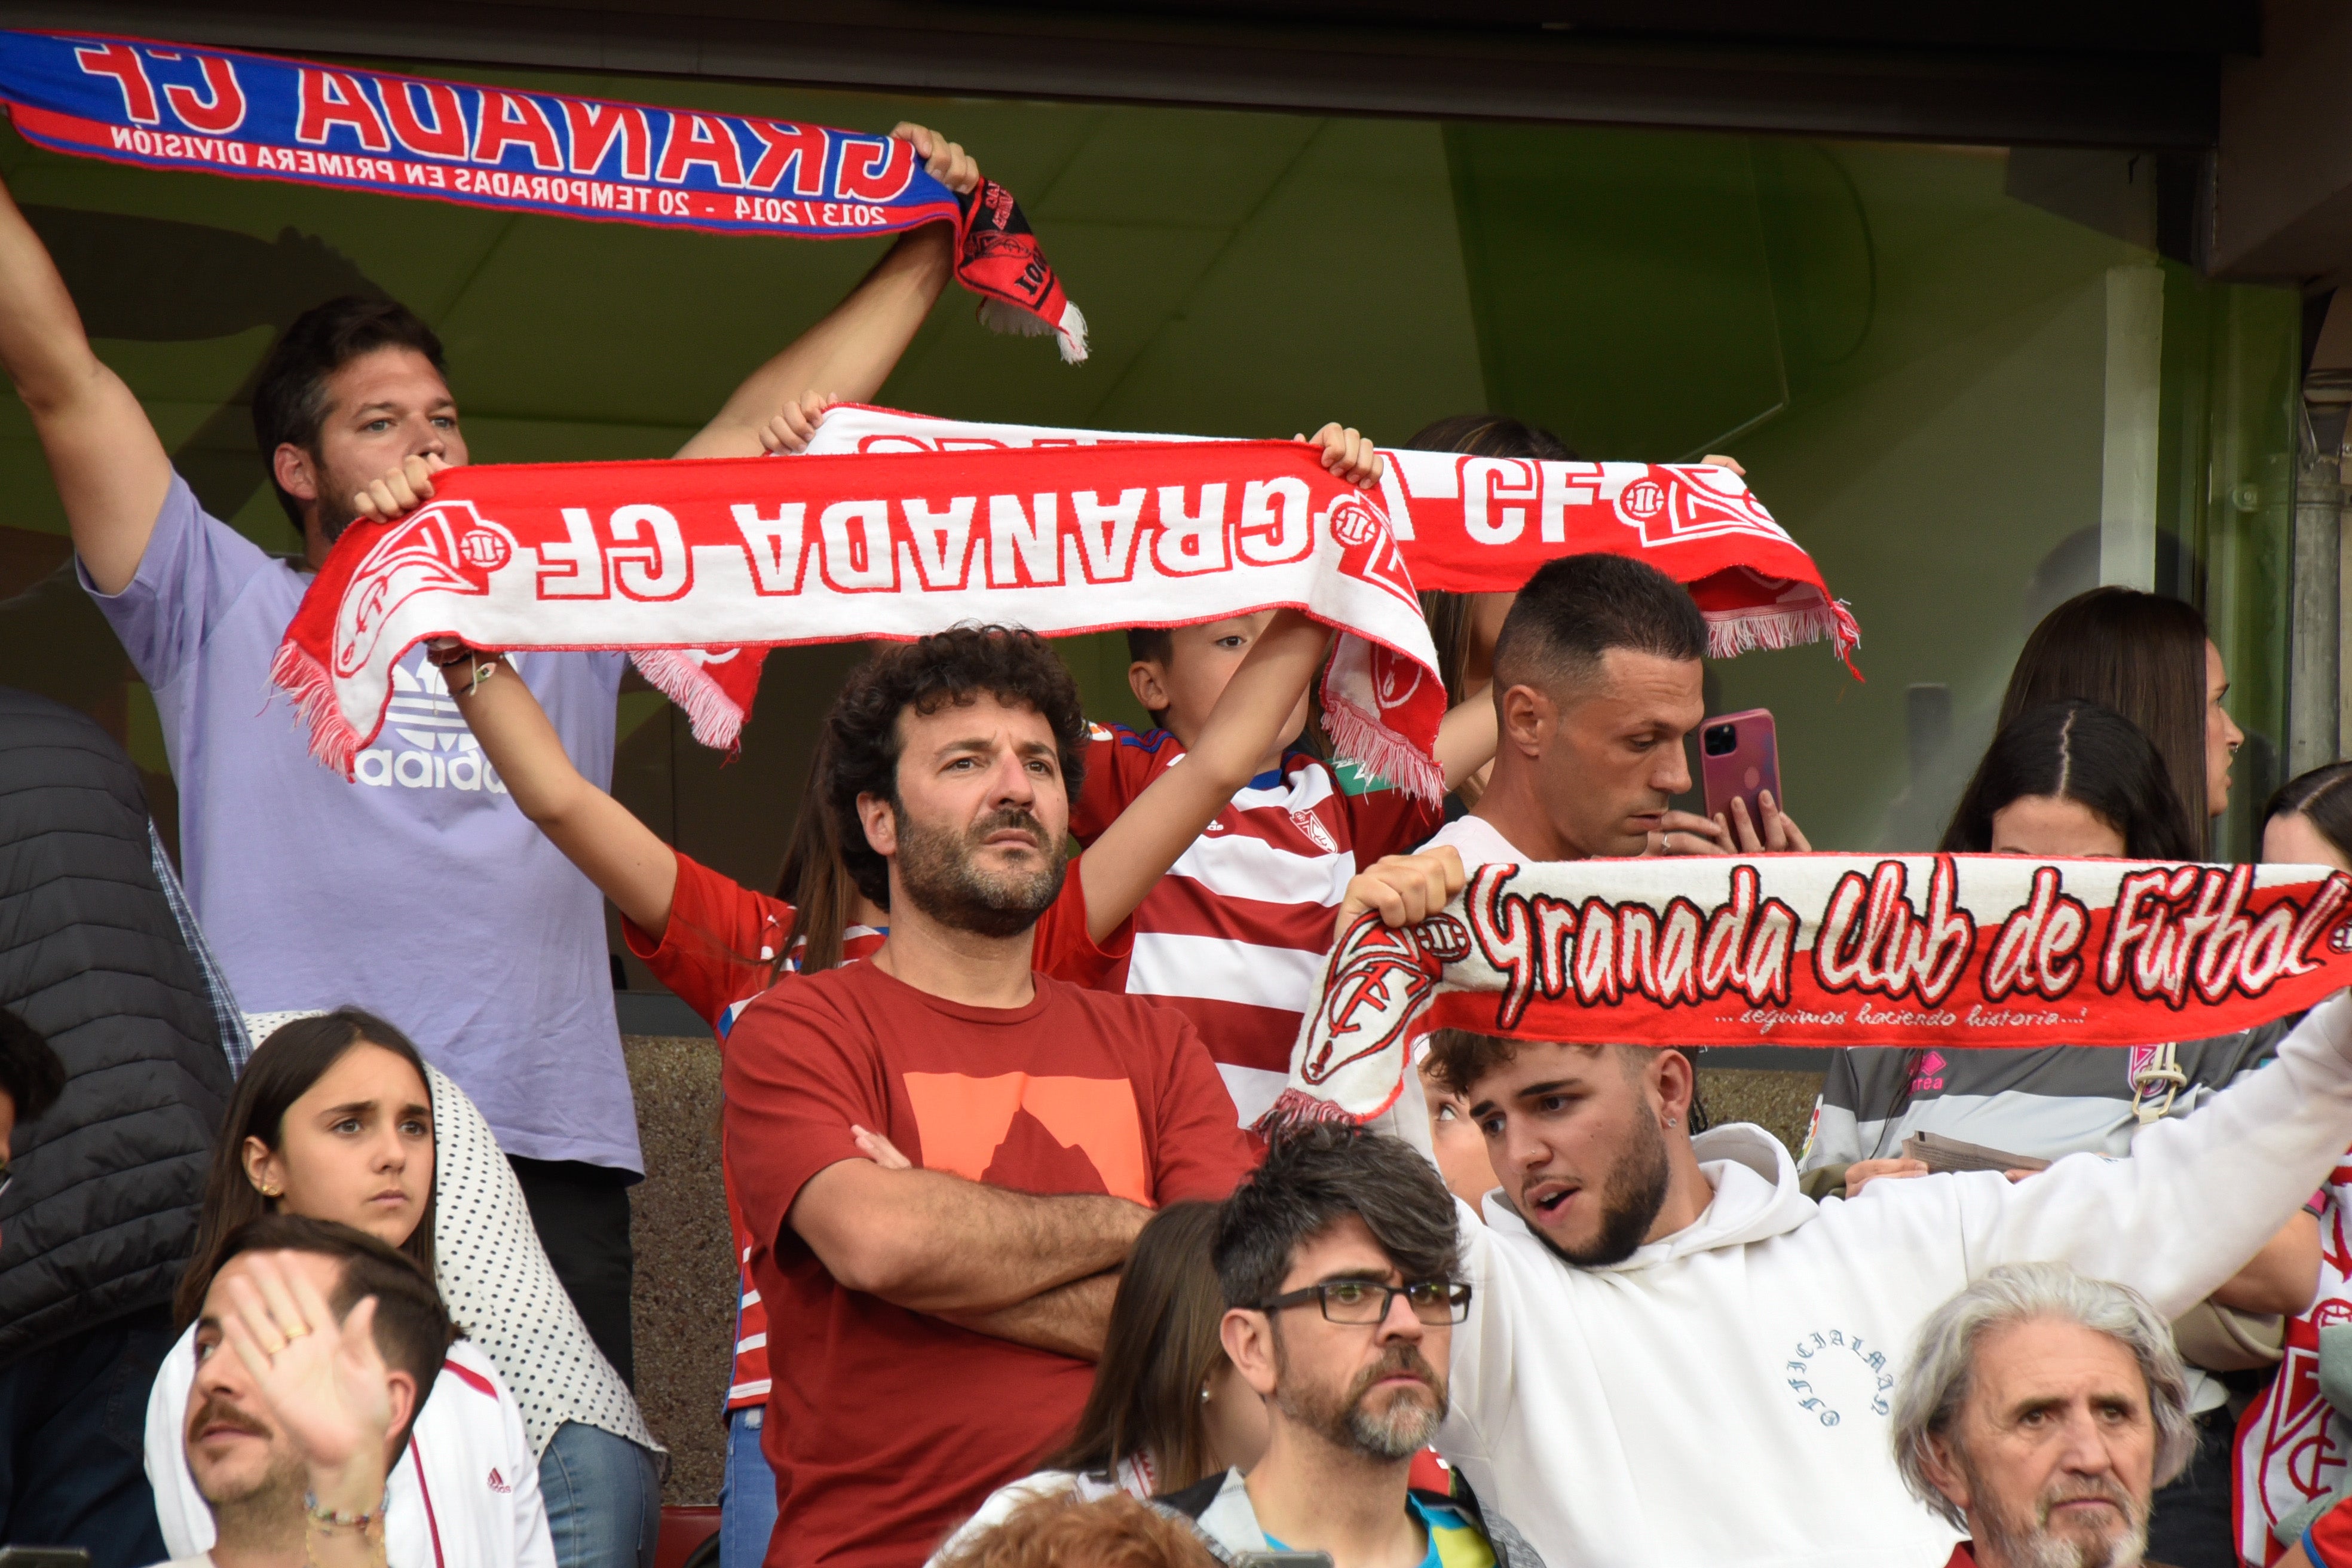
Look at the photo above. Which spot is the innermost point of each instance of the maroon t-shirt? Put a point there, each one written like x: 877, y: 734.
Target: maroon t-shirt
x: 886, y: 1427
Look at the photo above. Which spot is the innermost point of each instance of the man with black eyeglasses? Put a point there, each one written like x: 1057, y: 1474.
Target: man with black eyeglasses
x: 1342, y: 1281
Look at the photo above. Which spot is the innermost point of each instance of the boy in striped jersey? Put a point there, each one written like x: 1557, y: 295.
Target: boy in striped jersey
x: 1233, y: 934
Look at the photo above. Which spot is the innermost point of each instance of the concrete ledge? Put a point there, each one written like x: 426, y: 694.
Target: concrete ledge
x: 685, y: 1306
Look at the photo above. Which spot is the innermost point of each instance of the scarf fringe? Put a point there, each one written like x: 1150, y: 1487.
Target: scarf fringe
x: 1003, y: 316
x: 1363, y: 740
x: 1730, y: 632
x: 716, y: 719
x: 1294, y: 1109
x: 333, y: 741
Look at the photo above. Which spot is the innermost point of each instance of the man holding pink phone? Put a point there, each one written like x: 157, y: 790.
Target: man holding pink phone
x: 1597, y: 681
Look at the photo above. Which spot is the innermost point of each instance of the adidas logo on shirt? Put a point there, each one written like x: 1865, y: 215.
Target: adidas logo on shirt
x: 425, y: 743
x: 498, y: 1482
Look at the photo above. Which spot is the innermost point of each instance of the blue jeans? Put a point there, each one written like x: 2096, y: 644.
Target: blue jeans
x: 73, y: 1421
x: 603, y: 1499
x: 746, y: 1495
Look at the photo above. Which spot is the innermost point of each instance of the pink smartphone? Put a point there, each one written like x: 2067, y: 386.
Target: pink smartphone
x: 1739, y: 754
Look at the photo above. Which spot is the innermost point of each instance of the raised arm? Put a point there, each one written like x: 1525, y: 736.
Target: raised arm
x: 622, y: 856
x: 1136, y: 851
x: 2199, y: 1195
x: 2283, y: 1276
x: 936, y: 1243
x: 111, y: 471
x: 851, y: 353
x: 1466, y: 738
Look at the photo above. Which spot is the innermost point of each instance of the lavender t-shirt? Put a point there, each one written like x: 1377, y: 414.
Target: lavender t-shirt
x: 418, y: 892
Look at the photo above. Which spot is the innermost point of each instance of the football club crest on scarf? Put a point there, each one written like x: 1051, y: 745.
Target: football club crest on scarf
x: 1468, y: 524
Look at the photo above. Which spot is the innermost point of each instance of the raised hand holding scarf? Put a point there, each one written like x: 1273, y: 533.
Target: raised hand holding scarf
x: 690, y: 565
x: 225, y: 111
x: 1953, y: 951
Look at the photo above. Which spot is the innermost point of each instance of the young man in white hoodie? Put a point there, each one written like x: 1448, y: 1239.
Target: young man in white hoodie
x: 1675, y: 1359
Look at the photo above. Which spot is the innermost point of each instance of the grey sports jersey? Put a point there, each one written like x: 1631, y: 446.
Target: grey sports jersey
x: 2060, y: 1099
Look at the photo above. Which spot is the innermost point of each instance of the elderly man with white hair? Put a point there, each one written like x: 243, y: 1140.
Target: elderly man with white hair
x: 2040, y: 1412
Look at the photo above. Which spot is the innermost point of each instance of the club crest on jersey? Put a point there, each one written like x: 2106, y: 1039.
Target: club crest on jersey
x: 1309, y: 824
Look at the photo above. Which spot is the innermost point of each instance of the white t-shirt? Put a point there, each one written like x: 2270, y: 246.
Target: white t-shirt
x: 464, y: 1495
x: 1474, y: 839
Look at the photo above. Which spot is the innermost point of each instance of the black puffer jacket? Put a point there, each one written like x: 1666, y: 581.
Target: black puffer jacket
x: 102, y: 1212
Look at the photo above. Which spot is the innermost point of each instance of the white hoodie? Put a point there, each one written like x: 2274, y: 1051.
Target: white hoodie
x: 1719, y: 1399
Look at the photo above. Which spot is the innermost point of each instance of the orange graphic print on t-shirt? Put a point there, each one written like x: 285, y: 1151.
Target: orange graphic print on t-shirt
x: 964, y: 1121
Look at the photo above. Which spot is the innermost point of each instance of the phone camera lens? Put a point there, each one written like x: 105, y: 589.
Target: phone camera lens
x: 1720, y: 740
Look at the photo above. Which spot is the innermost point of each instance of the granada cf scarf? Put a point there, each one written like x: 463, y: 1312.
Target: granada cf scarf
x: 1476, y: 525
x: 2294, y: 1446
x: 690, y: 564
x: 1953, y: 951
x: 170, y: 106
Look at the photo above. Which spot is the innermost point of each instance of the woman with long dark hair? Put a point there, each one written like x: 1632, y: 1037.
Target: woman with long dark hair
x: 333, y: 1119
x: 1167, y: 1408
x: 2066, y: 780
x: 2148, y: 657
x: 2073, y: 778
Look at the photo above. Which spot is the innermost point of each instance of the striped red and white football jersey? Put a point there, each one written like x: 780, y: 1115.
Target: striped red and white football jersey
x: 1232, y: 936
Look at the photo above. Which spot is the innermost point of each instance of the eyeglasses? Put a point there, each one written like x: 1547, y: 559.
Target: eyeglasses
x: 1359, y: 1302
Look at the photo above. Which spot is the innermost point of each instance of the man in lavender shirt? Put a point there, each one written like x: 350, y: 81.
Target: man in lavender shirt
x: 416, y: 891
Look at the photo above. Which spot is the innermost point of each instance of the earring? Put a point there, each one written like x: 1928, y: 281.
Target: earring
x: 1204, y: 1394
x: 269, y: 1191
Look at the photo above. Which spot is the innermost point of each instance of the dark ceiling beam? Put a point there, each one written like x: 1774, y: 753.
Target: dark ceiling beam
x: 2151, y: 100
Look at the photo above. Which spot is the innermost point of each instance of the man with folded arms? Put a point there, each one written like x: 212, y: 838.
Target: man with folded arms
x: 932, y: 1330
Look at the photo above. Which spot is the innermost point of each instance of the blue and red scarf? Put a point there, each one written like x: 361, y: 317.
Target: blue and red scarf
x: 222, y: 111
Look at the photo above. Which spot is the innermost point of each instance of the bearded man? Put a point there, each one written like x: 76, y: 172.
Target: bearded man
x: 2041, y: 1413
x: 1675, y: 1359
x: 1343, y: 1282
x: 931, y: 1329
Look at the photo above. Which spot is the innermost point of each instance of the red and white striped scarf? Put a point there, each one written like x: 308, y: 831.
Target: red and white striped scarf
x: 692, y: 565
